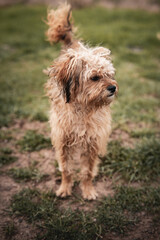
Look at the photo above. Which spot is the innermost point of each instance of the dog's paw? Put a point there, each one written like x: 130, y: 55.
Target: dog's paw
x: 89, y: 193
x: 63, y: 191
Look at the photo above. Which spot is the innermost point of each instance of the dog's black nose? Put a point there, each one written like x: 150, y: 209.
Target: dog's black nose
x: 111, y: 88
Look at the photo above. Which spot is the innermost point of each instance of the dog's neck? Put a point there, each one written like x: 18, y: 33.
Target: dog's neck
x: 88, y: 109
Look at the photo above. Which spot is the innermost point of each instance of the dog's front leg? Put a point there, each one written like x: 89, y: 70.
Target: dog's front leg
x: 66, y: 185
x: 65, y: 188
x: 89, y: 163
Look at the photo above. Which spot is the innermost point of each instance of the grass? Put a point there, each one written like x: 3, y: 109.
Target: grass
x: 27, y: 174
x: 138, y: 164
x: 9, y: 230
x: 24, y: 53
x: 33, y: 141
x: 6, y: 157
x: 5, y: 136
x: 23, y: 56
x: 40, y: 116
x: 131, y: 35
x: 114, y: 214
x: 141, y: 133
x: 137, y: 73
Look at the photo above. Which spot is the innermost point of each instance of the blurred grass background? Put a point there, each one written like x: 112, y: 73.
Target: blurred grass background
x: 132, y: 36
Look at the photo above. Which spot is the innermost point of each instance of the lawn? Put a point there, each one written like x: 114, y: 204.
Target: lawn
x: 128, y: 181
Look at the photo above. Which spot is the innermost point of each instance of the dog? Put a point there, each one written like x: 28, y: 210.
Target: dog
x: 81, y: 87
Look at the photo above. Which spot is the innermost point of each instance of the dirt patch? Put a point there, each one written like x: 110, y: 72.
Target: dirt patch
x: 7, y: 189
x: 144, y: 230
x: 104, y: 188
x: 43, y: 159
x: 123, y: 136
x: 25, y: 230
x: 22, y: 229
x: 19, y: 127
x: 122, y: 133
x: 45, y: 163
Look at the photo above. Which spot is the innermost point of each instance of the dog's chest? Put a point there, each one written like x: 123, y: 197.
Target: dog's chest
x: 80, y: 124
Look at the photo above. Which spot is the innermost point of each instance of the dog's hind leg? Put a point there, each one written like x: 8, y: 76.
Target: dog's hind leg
x: 89, y: 164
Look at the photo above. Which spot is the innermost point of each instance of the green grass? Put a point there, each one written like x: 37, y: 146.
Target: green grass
x: 24, y: 53
x: 33, y: 141
x: 40, y: 116
x: 5, y: 136
x: 9, y: 230
x: 123, y: 32
x: 27, y: 174
x: 6, y: 156
x: 141, y: 133
x: 141, y: 163
x: 113, y: 214
x: 131, y: 35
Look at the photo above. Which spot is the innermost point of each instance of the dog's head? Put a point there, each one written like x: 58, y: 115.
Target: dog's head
x: 85, y: 76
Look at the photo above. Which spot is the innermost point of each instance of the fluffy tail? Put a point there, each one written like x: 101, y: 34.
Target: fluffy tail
x: 60, y: 27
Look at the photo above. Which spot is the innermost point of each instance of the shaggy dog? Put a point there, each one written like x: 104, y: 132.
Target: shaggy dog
x: 81, y: 88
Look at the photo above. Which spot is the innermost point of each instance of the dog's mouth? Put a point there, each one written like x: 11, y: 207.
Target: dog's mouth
x: 110, y: 95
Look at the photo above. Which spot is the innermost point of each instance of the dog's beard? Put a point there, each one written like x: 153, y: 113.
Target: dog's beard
x: 105, y: 100
x: 99, y: 100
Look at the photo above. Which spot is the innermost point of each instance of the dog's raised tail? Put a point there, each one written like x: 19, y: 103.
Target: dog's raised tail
x: 60, y: 26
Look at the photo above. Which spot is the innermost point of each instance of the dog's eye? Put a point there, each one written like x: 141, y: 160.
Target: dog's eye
x: 95, y: 78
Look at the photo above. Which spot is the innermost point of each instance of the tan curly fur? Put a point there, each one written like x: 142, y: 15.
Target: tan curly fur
x: 80, y: 116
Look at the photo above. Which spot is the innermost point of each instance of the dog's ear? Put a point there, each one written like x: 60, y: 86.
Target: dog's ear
x: 77, y: 73
x: 67, y: 74
x: 102, y: 52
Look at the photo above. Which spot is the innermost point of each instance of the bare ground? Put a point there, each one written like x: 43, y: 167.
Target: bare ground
x: 45, y: 159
